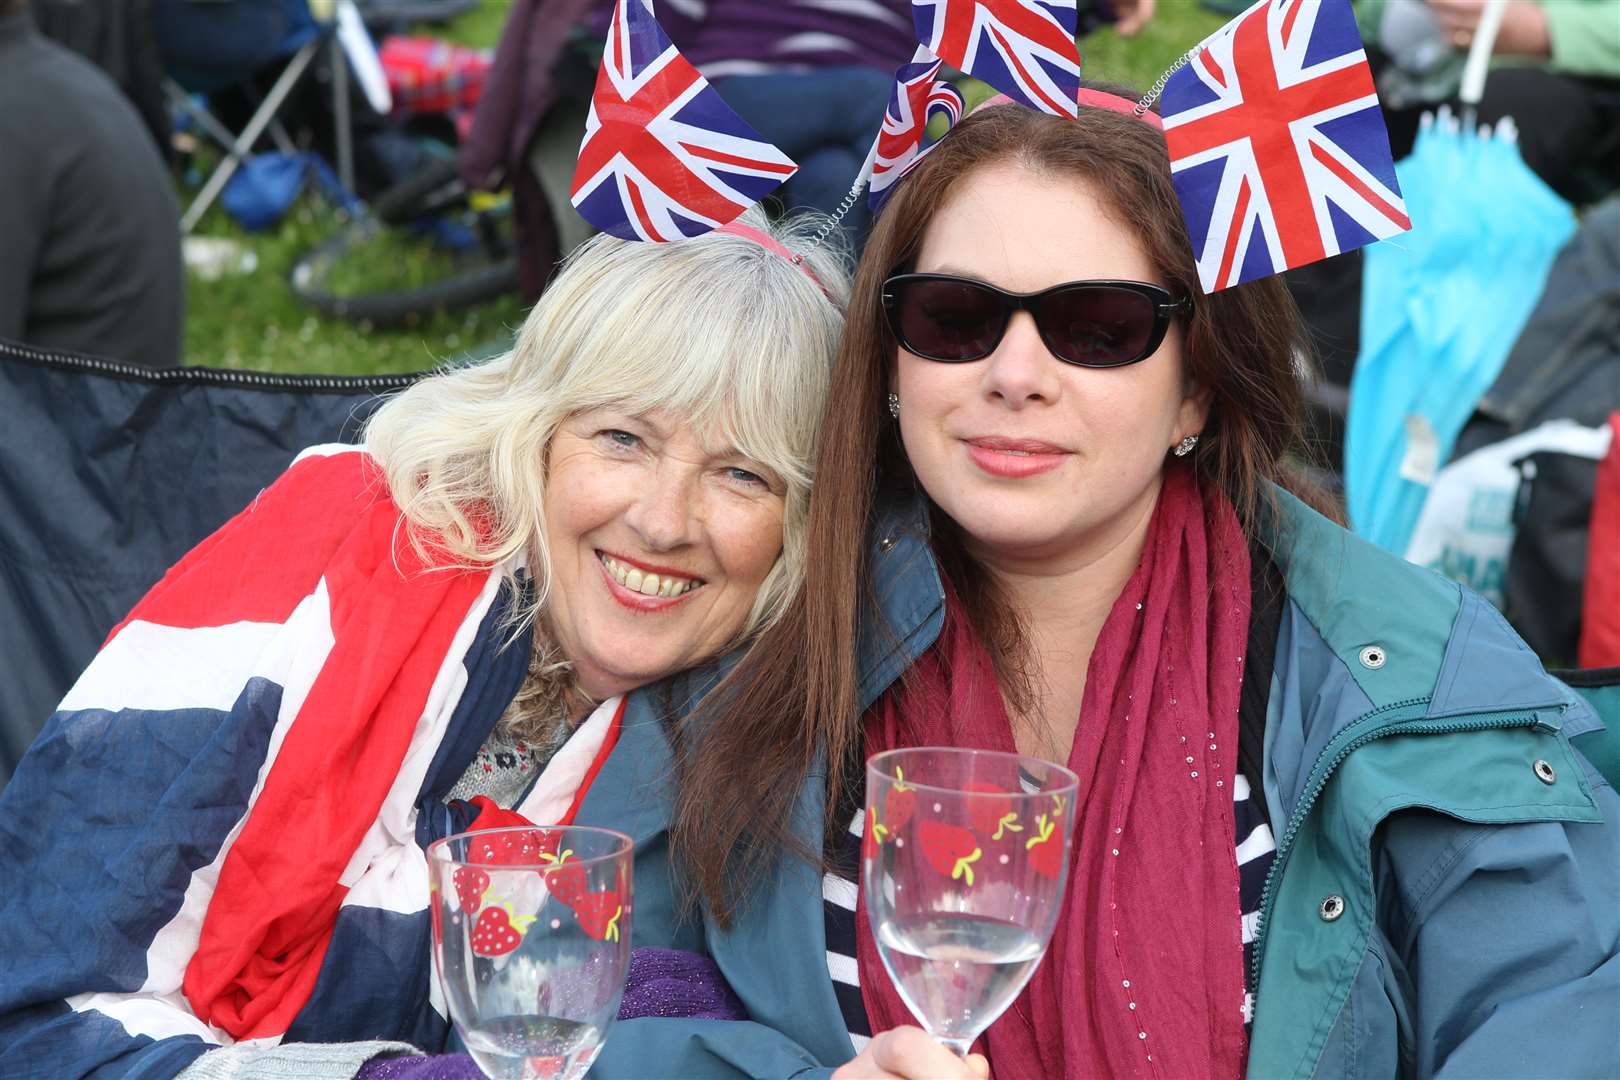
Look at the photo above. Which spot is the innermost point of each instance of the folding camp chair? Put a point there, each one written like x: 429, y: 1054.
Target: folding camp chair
x: 113, y: 472
x: 212, y: 45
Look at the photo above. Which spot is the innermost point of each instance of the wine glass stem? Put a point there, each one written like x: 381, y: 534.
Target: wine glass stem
x: 959, y: 1047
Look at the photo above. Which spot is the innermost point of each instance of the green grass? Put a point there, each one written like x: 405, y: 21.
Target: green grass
x: 254, y: 321
x: 1138, y: 61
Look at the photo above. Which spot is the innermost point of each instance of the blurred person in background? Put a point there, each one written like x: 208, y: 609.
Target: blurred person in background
x: 118, y: 37
x: 1556, y: 73
x: 811, y: 77
x: 89, y: 240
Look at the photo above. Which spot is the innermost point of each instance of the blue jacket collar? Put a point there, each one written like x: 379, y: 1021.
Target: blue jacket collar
x: 906, y: 609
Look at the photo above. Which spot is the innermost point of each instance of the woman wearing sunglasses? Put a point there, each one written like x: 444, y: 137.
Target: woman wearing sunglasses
x: 1330, y: 820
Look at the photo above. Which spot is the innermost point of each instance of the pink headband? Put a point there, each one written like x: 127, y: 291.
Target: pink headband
x: 771, y: 244
x: 1097, y: 99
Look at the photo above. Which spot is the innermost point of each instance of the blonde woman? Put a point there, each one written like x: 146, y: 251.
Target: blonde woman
x: 218, y: 837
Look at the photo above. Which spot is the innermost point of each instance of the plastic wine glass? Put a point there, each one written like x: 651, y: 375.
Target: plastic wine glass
x: 963, y: 869
x: 531, y: 938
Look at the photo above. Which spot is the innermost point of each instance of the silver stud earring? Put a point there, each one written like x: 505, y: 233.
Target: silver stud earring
x: 894, y: 404
x: 1186, y: 445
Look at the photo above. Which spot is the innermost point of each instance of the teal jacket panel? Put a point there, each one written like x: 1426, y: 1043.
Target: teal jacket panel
x: 1419, y: 774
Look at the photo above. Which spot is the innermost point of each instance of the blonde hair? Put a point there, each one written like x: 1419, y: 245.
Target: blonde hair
x: 717, y: 330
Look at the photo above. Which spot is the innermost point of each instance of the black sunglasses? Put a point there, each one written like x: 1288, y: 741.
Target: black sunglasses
x: 1088, y: 323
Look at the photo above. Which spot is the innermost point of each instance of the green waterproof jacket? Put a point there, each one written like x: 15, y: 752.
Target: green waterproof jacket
x: 1445, y: 898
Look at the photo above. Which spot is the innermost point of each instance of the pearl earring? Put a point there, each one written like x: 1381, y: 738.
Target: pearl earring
x: 894, y: 404
x: 1186, y: 445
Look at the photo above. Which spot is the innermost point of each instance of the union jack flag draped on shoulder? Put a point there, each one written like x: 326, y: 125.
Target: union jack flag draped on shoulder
x: 1024, y: 48
x: 1278, y: 148
x: 663, y: 156
x: 918, y: 96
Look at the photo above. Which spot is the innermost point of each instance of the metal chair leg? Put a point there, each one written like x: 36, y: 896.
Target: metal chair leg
x: 341, y: 115
x: 241, y: 146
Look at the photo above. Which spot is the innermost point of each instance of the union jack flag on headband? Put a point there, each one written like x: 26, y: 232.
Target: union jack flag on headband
x: 663, y: 156
x: 1024, y: 48
x: 917, y: 98
x: 1278, y: 149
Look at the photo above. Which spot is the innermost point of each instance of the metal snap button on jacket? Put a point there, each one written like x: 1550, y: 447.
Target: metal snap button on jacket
x: 886, y: 543
x: 1544, y: 771
x: 1332, y: 907
x: 1372, y: 656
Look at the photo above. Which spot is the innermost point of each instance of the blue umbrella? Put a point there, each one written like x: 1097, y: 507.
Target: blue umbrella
x: 1443, y: 304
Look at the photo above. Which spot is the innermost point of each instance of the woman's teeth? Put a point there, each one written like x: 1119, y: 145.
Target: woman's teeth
x: 648, y: 584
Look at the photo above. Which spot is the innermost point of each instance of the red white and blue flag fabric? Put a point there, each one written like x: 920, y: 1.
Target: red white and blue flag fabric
x: 918, y: 96
x: 663, y: 156
x: 1278, y: 148
x: 219, y: 833
x: 1024, y: 48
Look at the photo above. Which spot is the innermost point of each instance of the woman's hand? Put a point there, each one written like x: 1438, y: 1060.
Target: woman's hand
x: 910, y: 1053
x: 1133, y: 15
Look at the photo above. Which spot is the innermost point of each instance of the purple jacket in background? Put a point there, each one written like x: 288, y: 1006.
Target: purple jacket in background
x: 722, y: 38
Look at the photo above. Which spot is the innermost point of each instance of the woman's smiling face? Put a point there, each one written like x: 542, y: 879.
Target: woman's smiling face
x: 659, y: 539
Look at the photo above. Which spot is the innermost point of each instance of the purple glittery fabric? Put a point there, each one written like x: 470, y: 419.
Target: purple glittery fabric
x: 662, y: 982
x: 676, y: 984
x: 438, y: 1067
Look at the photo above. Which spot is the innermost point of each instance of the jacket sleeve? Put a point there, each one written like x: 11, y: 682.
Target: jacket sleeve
x: 1585, y: 37
x: 704, y: 1050
x: 1513, y: 950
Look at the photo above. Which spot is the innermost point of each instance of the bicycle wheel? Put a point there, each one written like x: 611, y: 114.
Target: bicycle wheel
x: 482, y: 265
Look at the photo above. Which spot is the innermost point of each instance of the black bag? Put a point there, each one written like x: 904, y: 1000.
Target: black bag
x: 1565, y: 364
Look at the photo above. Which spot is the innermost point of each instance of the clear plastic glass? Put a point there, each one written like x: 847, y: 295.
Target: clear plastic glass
x: 531, y: 939
x: 963, y: 870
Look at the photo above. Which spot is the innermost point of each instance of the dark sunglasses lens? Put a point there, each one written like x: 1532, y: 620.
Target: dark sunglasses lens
x: 1097, y: 325
x: 948, y: 320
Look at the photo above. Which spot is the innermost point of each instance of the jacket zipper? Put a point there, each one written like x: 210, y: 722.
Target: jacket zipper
x: 1326, y: 764
x: 257, y: 380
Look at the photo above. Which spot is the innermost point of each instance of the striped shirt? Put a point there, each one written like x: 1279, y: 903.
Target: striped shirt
x: 1255, y: 849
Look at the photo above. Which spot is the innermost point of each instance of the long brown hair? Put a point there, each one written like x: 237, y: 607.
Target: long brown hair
x: 791, y: 705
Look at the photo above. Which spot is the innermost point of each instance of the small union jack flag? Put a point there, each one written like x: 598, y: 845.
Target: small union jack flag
x: 1278, y: 149
x: 1024, y: 48
x: 917, y: 98
x: 663, y: 156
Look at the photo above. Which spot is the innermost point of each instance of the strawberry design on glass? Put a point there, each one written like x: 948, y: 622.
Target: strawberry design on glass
x: 598, y: 914
x: 993, y: 815
x: 498, y: 932
x: 900, y: 803
x: 566, y: 881
x: 949, y: 849
x: 1046, y: 847
x: 471, y: 884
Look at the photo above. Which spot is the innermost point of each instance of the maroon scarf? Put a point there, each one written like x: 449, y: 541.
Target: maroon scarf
x: 1144, y: 976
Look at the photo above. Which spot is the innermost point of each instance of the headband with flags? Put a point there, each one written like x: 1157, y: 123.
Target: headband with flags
x: 918, y: 96
x: 663, y: 156
x: 1278, y: 148
x: 1024, y: 48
